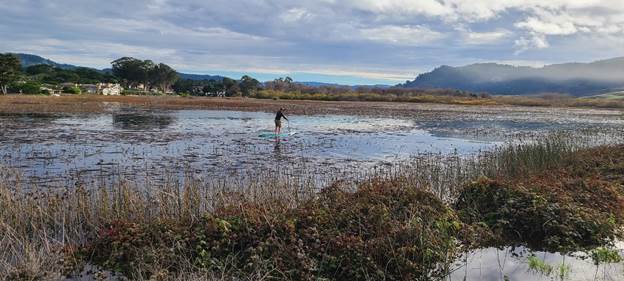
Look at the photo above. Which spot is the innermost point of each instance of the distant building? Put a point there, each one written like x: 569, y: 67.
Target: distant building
x: 109, y: 89
x: 88, y: 88
x: 50, y: 91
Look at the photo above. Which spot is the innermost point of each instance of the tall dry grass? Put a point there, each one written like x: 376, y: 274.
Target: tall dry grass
x: 38, y: 225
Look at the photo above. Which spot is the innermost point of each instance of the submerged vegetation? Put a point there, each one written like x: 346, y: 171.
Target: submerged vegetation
x: 409, y: 223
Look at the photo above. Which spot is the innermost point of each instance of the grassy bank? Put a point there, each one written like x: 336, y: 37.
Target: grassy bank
x: 443, y: 97
x: 409, y: 222
x: 296, y: 103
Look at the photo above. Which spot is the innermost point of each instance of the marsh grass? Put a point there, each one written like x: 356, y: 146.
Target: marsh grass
x: 445, y: 97
x: 41, y: 228
x: 297, y: 103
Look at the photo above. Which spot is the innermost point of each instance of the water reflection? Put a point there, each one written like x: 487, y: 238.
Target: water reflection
x: 142, y: 121
x: 512, y: 264
x: 219, y: 143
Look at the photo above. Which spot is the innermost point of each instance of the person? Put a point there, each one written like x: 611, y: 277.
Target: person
x: 278, y: 121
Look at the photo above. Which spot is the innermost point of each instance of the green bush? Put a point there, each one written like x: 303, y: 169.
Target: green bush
x: 72, y: 90
x: 29, y: 88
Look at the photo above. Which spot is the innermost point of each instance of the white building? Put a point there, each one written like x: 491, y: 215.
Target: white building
x: 109, y: 89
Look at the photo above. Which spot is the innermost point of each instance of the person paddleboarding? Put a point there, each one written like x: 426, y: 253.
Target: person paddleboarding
x: 278, y: 121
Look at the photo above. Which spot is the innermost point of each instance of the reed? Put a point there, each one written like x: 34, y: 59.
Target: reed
x: 39, y: 227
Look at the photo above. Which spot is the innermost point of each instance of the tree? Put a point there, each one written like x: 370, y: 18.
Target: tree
x: 40, y: 69
x: 248, y: 85
x: 183, y: 86
x: 163, y: 76
x: 30, y: 88
x: 72, y: 90
x: 10, y: 69
x: 133, y: 71
x: 213, y: 87
x: 231, y: 87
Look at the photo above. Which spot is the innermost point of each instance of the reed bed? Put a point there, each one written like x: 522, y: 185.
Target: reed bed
x: 38, y: 227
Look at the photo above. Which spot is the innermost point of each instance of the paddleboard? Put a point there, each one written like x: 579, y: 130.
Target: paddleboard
x: 269, y: 135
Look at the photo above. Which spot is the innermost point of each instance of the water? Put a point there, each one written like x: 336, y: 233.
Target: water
x: 61, y: 150
x: 52, y: 149
x: 497, y: 264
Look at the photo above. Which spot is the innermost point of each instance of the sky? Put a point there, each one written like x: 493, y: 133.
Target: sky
x: 346, y: 42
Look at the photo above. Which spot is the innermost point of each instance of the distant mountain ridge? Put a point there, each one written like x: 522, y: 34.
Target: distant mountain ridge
x: 29, y: 59
x: 579, y: 79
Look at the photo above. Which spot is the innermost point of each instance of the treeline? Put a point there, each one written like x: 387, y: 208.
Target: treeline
x: 81, y: 75
x: 36, y: 79
x: 144, y: 74
x: 246, y: 87
x: 147, y: 77
x: 135, y: 75
x: 287, y: 85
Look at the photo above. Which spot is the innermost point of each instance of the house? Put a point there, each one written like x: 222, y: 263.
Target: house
x: 50, y: 91
x: 88, y: 88
x: 109, y: 89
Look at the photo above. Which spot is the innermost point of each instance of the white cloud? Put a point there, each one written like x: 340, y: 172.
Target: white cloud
x: 535, y: 41
x: 548, y: 28
x: 358, y: 37
x: 401, y: 35
x: 294, y: 15
x: 401, y: 7
x: 483, y: 38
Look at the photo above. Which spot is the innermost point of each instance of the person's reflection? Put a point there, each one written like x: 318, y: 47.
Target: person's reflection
x: 277, y: 150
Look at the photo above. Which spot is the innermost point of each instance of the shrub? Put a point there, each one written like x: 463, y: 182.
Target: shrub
x: 340, y: 236
x: 72, y: 90
x: 29, y: 88
x: 555, y: 216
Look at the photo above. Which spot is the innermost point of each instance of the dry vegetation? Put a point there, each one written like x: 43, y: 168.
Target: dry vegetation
x: 349, y: 103
x: 408, y: 222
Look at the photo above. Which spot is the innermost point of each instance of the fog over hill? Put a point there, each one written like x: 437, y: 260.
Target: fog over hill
x: 579, y: 79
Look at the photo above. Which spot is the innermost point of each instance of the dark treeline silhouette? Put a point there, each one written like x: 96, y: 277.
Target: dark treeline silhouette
x: 145, y: 77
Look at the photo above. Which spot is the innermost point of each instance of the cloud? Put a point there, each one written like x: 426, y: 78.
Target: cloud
x: 367, y: 38
x: 484, y: 38
x: 401, y: 35
x: 401, y: 7
x: 548, y: 28
x: 294, y: 15
x: 536, y: 41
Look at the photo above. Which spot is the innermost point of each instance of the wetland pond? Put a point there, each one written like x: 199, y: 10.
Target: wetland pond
x: 57, y: 150
x: 54, y: 149
x: 51, y: 150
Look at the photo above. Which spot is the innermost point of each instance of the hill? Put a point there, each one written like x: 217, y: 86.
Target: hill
x: 200, y: 77
x: 30, y: 59
x: 578, y: 79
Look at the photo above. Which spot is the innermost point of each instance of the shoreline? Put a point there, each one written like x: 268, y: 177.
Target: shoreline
x: 103, y: 104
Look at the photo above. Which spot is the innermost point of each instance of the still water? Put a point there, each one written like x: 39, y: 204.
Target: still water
x: 54, y: 148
